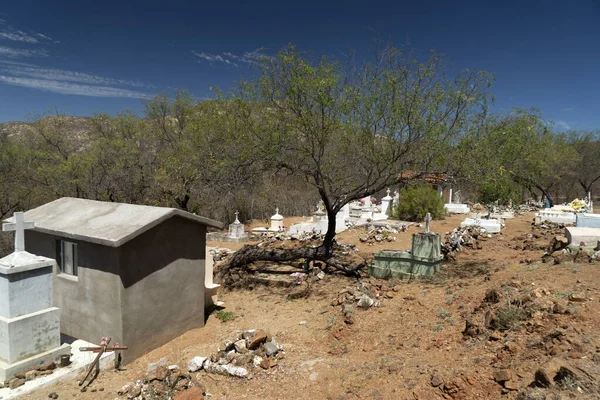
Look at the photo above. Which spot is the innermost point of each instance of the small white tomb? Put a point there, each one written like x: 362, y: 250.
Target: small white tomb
x: 490, y: 225
x: 456, y: 208
x: 29, y: 325
x: 277, y: 221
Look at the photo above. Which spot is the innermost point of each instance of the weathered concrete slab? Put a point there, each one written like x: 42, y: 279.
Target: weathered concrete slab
x: 587, y: 236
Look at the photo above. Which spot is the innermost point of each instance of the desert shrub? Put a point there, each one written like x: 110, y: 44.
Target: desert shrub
x: 510, y: 317
x: 501, y: 190
x: 224, y: 316
x: 416, y: 201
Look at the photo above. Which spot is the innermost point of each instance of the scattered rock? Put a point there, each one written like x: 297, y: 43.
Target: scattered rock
x: 153, y: 366
x: 30, y: 375
x: 256, y: 339
x: 553, y: 372
x: 227, y: 369
x: 436, y: 380
x: 15, y: 383
x: 577, y: 297
x: 365, y: 301
x: 271, y: 349
x: 502, y: 375
x: 53, y: 395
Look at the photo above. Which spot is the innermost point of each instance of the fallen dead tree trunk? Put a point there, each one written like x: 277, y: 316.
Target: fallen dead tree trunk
x: 243, y: 258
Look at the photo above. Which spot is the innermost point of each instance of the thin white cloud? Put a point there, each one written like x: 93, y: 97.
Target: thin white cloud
x: 9, y: 33
x: 22, y: 74
x: 18, y: 37
x: 228, y: 58
x: 568, y: 109
x: 72, y: 88
x: 33, y: 71
x: 563, y: 125
x: 16, y: 53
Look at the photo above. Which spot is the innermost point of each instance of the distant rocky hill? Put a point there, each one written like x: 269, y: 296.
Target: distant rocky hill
x: 71, y: 126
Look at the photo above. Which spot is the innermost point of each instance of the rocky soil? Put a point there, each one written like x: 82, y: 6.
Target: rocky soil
x: 497, y: 322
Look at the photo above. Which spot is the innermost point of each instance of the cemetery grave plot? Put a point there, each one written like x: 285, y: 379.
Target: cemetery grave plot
x: 529, y: 323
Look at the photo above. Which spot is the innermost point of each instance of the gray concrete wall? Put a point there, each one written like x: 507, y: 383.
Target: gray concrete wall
x: 162, y: 274
x: 90, y: 304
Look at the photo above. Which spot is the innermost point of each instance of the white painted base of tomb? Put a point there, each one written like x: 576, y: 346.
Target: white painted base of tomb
x: 9, y: 370
x: 490, y: 225
x: 80, y: 360
x: 30, y: 334
x: 559, y: 217
x: 457, y: 208
x: 589, y: 236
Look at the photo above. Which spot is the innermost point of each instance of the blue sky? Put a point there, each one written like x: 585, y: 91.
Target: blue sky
x: 82, y: 57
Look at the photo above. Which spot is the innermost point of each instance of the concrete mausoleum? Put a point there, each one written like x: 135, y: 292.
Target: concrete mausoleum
x: 132, y: 272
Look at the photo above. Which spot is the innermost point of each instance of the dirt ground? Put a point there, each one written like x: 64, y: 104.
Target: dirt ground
x: 399, y: 349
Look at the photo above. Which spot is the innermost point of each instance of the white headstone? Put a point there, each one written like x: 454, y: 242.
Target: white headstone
x: 18, y: 227
x: 450, y: 197
x: 276, y: 221
x: 427, y: 222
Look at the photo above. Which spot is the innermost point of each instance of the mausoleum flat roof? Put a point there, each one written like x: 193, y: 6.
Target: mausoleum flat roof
x: 106, y: 223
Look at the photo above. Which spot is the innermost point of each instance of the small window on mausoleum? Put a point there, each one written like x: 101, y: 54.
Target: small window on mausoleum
x: 68, y: 258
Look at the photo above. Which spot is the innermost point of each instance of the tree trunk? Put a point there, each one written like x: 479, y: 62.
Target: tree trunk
x: 329, y: 239
x: 248, y: 254
x: 547, y: 194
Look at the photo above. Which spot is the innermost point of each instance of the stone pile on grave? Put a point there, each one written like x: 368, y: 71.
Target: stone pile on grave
x: 29, y: 324
x: 424, y: 258
x: 456, y: 208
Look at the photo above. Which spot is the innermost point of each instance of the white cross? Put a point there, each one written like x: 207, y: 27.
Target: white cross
x: 237, y: 221
x: 19, y: 227
x: 427, y: 221
x: 388, y: 192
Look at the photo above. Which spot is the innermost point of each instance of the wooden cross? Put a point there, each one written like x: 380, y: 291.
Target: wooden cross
x: 19, y: 227
x: 100, y: 350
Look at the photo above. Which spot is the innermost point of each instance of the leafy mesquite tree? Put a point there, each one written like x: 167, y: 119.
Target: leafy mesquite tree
x: 350, y: 129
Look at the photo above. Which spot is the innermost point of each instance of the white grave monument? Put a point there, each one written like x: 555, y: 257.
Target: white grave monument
x: 236, y: 229
x: 456, y: 208
x: 276, y: 221
x: 385, y: 205
x: 29, y: 325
